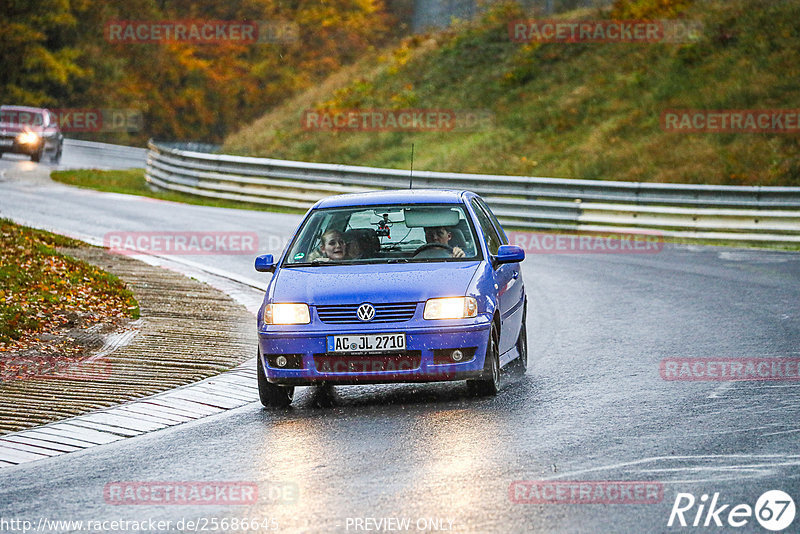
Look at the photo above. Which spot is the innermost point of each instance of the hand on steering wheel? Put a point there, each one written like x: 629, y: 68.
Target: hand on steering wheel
x: 430, y: 246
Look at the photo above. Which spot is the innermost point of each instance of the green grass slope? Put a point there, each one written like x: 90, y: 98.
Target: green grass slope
x: 580, y: 110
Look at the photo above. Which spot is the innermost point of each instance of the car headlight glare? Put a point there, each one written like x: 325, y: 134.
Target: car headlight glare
x: 28, y: 138
x: 287, y: 314
x: 451, y: 308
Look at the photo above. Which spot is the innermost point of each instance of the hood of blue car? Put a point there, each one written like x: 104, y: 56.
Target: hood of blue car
x: 352, y: 284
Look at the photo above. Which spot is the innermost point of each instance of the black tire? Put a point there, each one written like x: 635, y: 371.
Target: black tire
x: 489, y: 384
x: 520, y: 365
x: 324, y: 395
x: 272, y: 395
x: 57, y: 156
x: 36, y: 157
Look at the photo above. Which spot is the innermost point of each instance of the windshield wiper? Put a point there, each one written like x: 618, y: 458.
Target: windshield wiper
x: 315, y: 263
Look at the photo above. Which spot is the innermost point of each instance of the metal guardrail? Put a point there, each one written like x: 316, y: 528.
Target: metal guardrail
x: 130, y: 151
x: 729, y: 213
x: 91, y: 155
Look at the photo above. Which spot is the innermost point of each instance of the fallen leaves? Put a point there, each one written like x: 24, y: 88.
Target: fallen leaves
x: 45, y: 292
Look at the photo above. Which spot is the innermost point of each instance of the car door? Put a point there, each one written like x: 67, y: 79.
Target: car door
x: 507, y: 278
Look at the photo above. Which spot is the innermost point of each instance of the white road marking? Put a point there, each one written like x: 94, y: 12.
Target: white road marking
x: 721, y: 390
x: 730, y: 471
x: 783, y: 432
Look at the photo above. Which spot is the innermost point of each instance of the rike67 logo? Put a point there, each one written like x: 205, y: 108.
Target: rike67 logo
x: 774, y: 510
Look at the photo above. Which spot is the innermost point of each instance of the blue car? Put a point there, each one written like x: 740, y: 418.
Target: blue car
x: 392, y: 286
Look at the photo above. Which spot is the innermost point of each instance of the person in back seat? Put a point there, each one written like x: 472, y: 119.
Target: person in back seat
x: 361, y: 243
x: 331, y: 247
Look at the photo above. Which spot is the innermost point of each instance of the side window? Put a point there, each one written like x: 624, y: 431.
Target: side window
x: 500, y: 231
x: 493, y: 240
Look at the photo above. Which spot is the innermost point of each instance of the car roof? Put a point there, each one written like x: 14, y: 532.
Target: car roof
x: 23, y: 108
x: 394, y: 196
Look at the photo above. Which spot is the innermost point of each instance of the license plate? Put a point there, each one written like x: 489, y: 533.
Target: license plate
x: 367, y: 343
x: 6, y: 142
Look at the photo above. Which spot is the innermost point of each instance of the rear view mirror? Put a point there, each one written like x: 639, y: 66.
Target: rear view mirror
x: 509, y: 254
x: 426, y: 217
x: 265, y: 263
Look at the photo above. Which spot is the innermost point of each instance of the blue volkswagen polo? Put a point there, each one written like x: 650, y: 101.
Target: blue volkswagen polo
x: 392, y: 286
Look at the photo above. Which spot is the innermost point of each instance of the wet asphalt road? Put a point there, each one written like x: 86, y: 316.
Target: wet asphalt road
x: 592, y: 406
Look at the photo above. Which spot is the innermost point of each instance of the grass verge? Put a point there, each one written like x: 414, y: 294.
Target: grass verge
x: 132, y: 182
x: 572, y: 110
x: 43, y: 291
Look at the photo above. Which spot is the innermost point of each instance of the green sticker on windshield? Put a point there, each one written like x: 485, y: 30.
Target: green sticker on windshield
x: 299, y: 256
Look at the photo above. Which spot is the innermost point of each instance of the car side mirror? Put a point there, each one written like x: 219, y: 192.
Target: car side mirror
x: 509, y: 254
x: 265, y: 263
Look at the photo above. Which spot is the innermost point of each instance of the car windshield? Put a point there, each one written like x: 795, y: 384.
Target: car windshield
x: 385, y: 234
x: 21, y: 117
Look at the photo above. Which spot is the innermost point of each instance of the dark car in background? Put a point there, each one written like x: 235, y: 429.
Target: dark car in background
x: 30, y: 131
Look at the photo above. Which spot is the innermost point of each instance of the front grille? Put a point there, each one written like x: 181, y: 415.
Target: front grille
x: 384, y: 313
x: 367, y: 363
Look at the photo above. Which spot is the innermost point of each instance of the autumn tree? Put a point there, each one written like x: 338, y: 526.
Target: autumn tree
x: 54, y: 53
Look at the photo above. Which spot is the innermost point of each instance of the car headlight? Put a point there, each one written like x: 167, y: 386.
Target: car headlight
x: 28, y: 138
x: 451, y: 308
x: 286, y: 314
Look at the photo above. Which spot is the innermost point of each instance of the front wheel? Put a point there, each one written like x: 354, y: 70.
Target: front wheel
x: 57, y: 156
x: 489, y: 384
x: 36, y: 157
x: 272, y: 395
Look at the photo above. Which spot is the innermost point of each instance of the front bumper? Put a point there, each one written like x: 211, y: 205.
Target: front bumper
x: 10, y: 145
x: 425, y: 346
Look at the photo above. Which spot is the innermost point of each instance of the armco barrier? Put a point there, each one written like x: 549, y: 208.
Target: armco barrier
x: 728, y: 213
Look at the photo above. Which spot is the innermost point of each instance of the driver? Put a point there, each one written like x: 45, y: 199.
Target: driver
x: 443, y: 235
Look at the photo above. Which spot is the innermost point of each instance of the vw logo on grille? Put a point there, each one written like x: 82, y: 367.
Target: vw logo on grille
x: 366, y: 312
